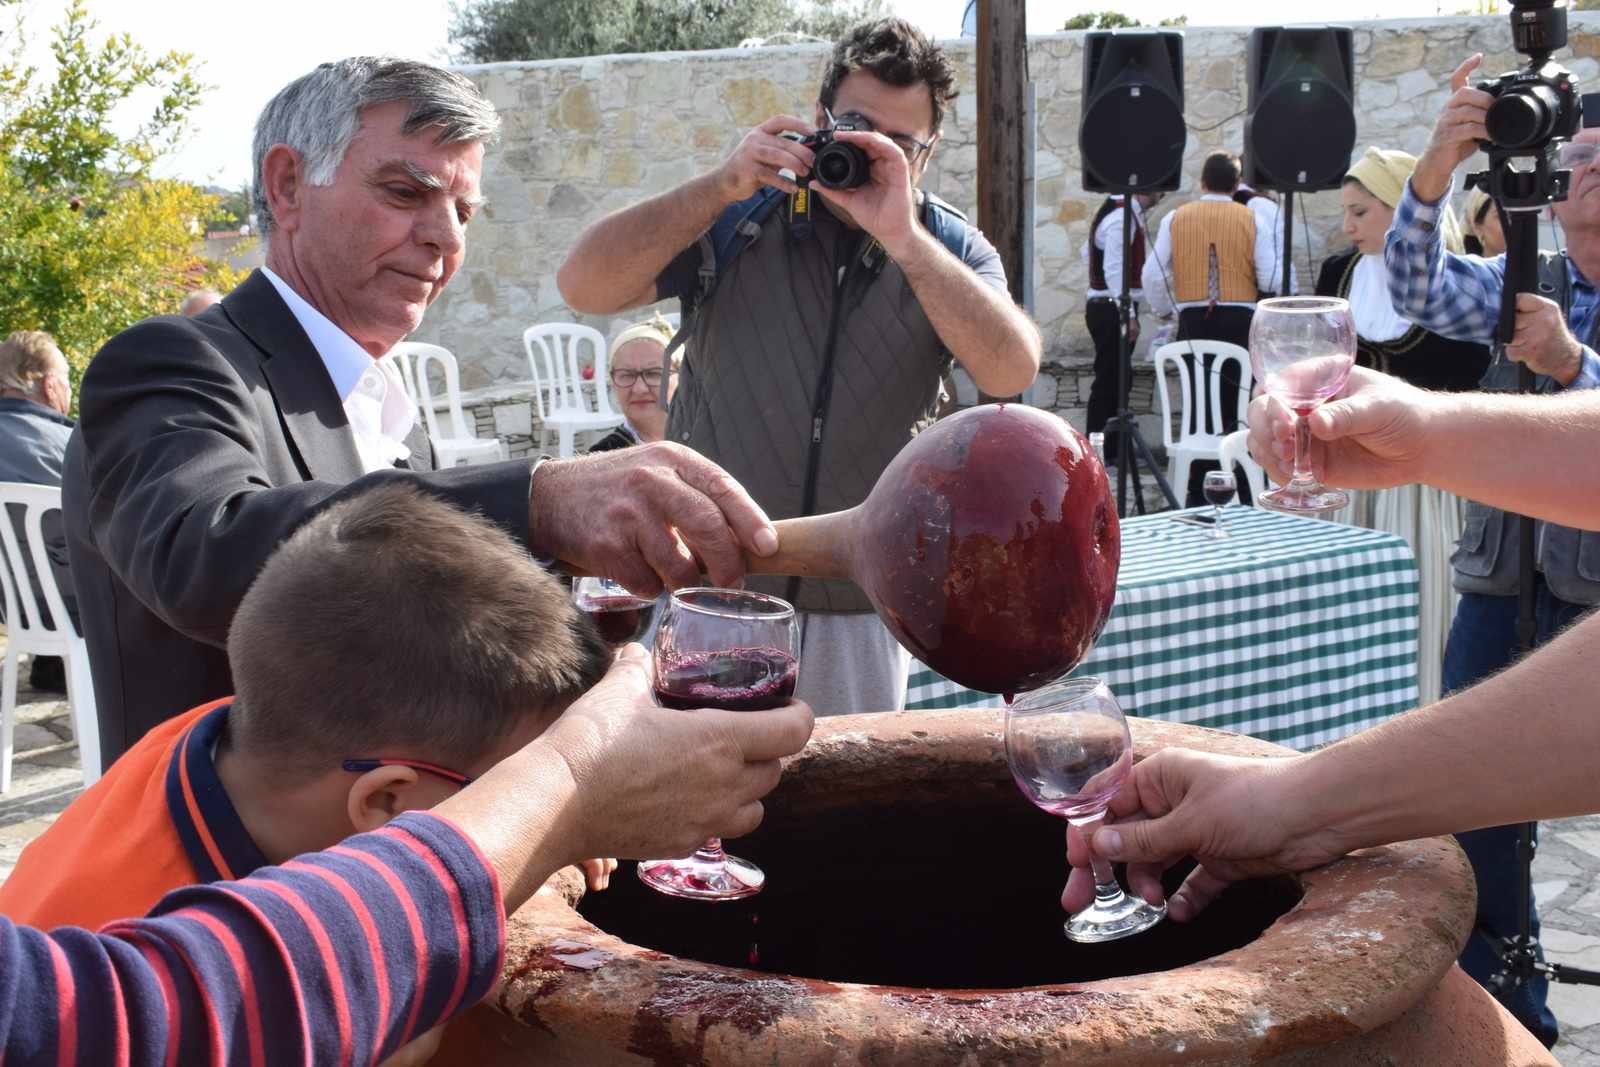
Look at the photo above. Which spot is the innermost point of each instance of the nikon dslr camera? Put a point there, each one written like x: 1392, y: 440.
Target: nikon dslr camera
x: 838, y: 164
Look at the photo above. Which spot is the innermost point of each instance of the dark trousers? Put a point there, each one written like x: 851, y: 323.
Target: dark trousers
x: 1103, y: 318
x: 1483, y: 640
x: 1230, y: 324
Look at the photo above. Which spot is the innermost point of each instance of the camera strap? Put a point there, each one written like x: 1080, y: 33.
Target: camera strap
x: 800, y: 225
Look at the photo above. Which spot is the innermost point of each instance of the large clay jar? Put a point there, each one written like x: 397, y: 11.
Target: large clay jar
x: 912, y: 917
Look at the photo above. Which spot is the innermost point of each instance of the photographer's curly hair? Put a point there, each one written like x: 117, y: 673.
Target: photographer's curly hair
x: 894, y: 51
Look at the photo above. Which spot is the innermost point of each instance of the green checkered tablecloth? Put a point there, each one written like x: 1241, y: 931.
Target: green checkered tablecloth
x: 1294, y: 630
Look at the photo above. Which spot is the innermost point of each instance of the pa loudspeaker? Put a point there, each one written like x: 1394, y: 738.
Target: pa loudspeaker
x: 1132, y: 135
x: 1301, y: 128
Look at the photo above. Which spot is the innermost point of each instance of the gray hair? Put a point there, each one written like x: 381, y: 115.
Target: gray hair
x: 318, y: 114
x: 27, y: 357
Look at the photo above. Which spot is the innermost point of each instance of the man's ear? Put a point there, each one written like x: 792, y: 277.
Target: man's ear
x: 379, y: 795
x: 283, y: 180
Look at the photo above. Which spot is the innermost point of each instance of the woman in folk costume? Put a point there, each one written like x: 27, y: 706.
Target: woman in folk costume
x: 1429, y: 519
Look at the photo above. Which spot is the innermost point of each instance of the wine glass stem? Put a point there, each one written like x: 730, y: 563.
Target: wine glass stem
x: 711, y: 851
x: 1106, y: 888
x: 1302, y: 453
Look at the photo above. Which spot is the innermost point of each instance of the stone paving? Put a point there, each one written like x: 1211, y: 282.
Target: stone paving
x: 46, y: 778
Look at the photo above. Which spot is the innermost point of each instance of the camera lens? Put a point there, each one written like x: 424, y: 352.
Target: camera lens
x: 841, y: 166
x: 1524, y: 115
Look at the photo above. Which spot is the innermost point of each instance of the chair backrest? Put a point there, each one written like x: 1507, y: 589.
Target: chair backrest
x: 24, y: 620
x: 1210, y: 367
x: 423, y: 357
x: 553, y: 350
x: 1234, y: 451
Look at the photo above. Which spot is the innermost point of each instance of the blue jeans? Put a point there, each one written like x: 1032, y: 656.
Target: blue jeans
x: 1483, y: 640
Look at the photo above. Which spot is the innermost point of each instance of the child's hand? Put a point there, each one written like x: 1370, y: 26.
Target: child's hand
x: 598, y: 872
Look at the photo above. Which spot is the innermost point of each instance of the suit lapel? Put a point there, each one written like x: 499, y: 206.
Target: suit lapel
x: 312, y: 414
x: 421, y: 447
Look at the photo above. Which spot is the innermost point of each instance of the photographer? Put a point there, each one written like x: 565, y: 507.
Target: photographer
x: 820, y: 320
x: 1459, y: 297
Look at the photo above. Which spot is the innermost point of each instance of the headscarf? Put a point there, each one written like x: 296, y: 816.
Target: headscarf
x: 1384, y: 174
x: 657, y: 329
x: 1469, y: 211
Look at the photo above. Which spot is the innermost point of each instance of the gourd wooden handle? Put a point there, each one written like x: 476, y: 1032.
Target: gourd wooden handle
x: 818, y: 546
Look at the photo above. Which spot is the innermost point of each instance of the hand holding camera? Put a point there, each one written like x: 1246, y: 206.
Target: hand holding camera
x: 771, y: 154
x: 1461, y: 125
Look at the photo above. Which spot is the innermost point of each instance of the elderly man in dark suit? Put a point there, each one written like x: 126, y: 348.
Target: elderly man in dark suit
x: 203, y: 442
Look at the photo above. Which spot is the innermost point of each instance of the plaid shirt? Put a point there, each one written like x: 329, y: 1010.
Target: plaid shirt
x: 1459, y: 296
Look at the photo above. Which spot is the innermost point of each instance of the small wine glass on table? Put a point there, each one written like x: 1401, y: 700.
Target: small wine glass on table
x: 729, y: 649
x: 1301, y: 350
x: 1069, y: 751
x: 618, y: 614
x: 1219, y: 488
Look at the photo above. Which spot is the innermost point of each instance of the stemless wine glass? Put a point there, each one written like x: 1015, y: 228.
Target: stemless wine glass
x: 1302, y: 349
x: 730, y: 649
x: 1069, y: 751
x: 618, y: 614
x: 1219, y: 488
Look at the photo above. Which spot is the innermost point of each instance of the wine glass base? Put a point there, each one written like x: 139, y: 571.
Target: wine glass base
x: 1302, y: 501
x: 692, y: 879
x: 1109, y: 921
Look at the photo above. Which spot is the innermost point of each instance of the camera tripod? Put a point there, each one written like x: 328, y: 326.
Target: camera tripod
x: 1131, y: 447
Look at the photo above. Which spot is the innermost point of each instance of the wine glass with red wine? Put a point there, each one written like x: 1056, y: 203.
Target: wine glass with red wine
x: 618, y: 614
x: 1069, y: 751
x: 1219, y: 488
x: 1302, y: 349
x: 730, y: 649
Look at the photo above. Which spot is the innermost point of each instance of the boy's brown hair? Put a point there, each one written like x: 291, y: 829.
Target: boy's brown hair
x: 393, y: 620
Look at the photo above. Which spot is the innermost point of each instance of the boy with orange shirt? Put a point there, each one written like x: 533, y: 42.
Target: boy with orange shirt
x: 392, y: 649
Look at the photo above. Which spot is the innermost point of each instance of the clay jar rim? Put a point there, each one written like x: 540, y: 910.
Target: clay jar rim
x: 1372, y: 934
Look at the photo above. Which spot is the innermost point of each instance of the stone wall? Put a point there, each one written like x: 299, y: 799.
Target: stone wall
x: 587, y: 136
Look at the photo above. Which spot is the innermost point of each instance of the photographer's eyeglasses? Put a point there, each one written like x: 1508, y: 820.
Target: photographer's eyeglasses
x: 909, y: 146
x: 1577, y: 155
x: 623, y: 378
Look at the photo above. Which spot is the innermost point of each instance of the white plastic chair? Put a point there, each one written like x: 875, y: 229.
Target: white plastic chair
x: 415, y: 359
x: 26, y: 632
x: 1234, y: 452
x: 1200, y: 426
x: 558, y: 393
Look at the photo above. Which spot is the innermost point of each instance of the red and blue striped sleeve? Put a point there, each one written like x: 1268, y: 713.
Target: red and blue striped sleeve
x: 338, y: 957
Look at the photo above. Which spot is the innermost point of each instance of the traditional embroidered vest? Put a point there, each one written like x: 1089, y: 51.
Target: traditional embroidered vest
x: 1097, y: 255
x: 747, y: 389
x: 1213, y: 253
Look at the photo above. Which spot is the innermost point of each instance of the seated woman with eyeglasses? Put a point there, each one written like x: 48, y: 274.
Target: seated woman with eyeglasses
x: 637, y: 386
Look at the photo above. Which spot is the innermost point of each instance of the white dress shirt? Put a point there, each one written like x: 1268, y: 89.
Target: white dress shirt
x: 1108, y: 237
x: 374, y: 397
x: 1158, y: 267
x: 1270, y: 219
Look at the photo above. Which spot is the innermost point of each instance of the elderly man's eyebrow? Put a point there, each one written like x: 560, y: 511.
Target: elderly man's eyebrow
x: 426, y: 179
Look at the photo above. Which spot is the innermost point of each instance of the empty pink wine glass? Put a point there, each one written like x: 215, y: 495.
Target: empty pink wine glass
x: 1302, y: 349
x: 1070, y: 751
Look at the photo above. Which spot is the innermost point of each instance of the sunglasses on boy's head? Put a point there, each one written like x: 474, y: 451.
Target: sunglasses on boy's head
x: 361, y: 765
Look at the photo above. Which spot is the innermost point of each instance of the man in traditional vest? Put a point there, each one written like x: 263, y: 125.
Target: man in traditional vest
x: 1209, y: 266
x: 820, y: 321
x: 1103, y: 256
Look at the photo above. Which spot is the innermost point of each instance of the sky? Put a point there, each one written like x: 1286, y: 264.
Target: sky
x: 246, y: 56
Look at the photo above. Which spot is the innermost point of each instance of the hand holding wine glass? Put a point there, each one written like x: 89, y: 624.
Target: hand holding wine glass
x: 728, y: 649
x: 1069, y: 751
x: 1302, y: 350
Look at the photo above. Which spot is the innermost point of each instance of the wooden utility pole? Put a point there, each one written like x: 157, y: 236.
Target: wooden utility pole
x: 1002, y: 136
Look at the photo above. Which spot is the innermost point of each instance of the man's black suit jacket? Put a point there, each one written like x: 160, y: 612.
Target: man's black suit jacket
x: 201, y: 444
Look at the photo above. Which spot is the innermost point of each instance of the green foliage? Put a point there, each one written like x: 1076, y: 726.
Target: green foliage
x: 490, y: 31
x: 1115, y: 20
x: 1101, y: 20
x: 90, y: 241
